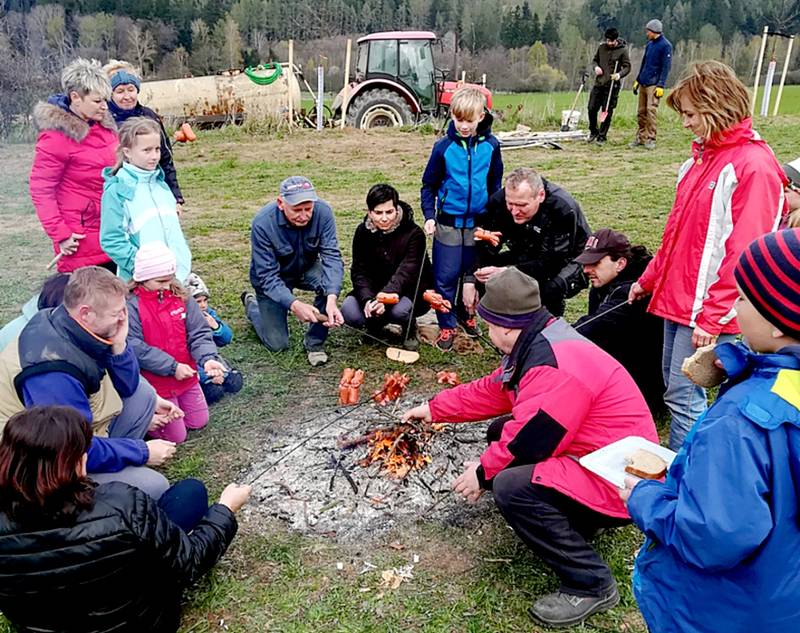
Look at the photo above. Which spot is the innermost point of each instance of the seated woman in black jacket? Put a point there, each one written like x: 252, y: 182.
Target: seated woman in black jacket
x: 389, y: 258
x: 78, y: 557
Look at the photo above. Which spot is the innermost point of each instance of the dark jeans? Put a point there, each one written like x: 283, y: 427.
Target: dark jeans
x: 185, y: 503
x: 232, y: 384
x: 597, y: 102
x: 269, y: 317
x: 398, y: 313
x: 554, y: 526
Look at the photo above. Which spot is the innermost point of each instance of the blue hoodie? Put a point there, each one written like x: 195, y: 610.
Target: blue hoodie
x: 723, y: 533
x: 138, y: 208
x: 462, y: 174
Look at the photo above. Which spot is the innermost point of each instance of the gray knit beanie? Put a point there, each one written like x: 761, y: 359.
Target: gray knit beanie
x: 511, y: 299
x: 655, y: 26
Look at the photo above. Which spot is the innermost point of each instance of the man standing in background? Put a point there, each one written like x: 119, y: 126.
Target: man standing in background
x: 650, y: 83
x: 611, y: 64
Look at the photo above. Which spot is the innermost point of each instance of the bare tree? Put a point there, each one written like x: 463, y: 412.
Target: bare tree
x: 141, y: 47
x: 231, y: 42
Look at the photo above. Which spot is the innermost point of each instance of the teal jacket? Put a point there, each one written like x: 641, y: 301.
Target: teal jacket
x: 138, y: 208
x: 12, y: 329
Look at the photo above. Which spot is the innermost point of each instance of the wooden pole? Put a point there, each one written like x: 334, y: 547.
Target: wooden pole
x: 320, y: 96
x: 463, y: 76
x: 346, y: 93
x: 289, y: 77
x: 783, y: 75
x: 758, y: 70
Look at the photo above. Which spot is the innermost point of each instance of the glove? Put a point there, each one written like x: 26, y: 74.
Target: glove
x: 615, y: 77
x: 659, y: 92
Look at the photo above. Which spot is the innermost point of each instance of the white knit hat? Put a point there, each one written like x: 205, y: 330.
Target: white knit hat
x: 154, y: 260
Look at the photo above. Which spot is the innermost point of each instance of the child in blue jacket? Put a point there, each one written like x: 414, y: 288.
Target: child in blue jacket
x: 723, y: 532
x: 232, y: 381
x: 464, y: 170
x: 138, y: 207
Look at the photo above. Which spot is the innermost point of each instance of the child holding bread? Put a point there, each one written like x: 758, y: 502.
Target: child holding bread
x: 723, y: 536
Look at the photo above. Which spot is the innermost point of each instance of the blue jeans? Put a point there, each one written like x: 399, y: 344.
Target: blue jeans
x: 684, y: 399
x: 453, y: 256
x: 185, y: 503
x: 269, y: 317
x: 398, y: 313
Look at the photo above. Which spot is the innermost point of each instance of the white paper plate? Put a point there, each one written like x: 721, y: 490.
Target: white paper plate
x: 609, y: 461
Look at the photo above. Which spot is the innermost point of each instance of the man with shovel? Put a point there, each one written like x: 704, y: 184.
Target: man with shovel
x: 611, y: 64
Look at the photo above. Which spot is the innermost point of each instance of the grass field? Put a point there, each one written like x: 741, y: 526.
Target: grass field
x: 472, y: 576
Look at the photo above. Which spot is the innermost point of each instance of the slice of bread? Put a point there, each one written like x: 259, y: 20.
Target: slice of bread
x: 646, y: 465
x: 701, y: 367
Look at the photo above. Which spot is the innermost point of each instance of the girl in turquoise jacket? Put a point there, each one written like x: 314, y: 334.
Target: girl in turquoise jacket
x: 138, y: 206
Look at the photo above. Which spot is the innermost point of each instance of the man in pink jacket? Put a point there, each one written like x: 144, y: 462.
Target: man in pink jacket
x: 562, y: 397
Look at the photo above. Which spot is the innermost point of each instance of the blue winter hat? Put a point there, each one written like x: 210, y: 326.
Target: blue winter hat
x: 124, y: 77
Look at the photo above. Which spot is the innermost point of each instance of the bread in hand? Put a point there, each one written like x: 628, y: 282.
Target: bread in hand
x: 646, y: 465
x: 701, y: 367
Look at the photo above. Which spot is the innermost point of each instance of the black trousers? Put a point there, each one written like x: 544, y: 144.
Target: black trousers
x: 554, y: 526
x: 597, y: 101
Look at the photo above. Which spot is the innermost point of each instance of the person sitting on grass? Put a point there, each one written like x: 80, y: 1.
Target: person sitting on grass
x: 171, y: 339
x: 77, y: 556
x: 562, y: 397
x: 389, y: 258
x: 231, y: 381
x: 723, y: 538
x: 50, y: 296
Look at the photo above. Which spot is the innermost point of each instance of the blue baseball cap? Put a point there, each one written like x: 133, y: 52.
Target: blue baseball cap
x: 297, y: 189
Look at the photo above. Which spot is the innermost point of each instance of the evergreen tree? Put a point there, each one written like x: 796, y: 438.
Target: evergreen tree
x: 550, y: 29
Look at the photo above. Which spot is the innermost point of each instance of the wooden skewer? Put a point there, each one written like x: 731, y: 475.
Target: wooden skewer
x: 54, y: 261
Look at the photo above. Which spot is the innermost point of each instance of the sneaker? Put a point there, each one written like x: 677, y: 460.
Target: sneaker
x: 636, y: 143
x: 650, y: 145
x: 563, y: 609
x: 317, y: 358
x: 445, y: 339
x: 601, y: 140
x: 471, y: 327
x: 247, y: 297
x: 592, y: 138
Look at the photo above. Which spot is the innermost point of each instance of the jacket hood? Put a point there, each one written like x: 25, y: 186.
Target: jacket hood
x: 484, y: 127
x: 738, y: 134
x: 127, y: 177
x: 55, y: 115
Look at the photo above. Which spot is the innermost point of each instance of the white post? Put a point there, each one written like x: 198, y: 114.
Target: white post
x: 346, y: 93
x: 320, y: 96
x: 758, y: 69
x: 463, y: 76
x: 770, y: 76
x: 783, y: 75
x: 483, y: 80
x: 289, y: 82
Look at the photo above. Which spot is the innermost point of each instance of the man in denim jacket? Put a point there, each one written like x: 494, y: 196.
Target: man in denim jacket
x: 294, y: 245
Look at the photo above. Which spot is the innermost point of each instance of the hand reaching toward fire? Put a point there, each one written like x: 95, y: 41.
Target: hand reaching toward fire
x: 422, y: 412
x: 466, y: 484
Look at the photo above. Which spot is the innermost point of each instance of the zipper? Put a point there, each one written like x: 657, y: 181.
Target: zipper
x: 469, y: 177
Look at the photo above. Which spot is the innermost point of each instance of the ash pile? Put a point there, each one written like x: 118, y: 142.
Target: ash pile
x: 358, y: 471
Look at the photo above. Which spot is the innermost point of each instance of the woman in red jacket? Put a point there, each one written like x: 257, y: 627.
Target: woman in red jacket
x: 562, y: 397
x: 729, y: 192
x: 77, y: 140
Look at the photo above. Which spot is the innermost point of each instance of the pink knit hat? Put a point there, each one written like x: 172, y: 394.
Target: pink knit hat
x: 154, y: 260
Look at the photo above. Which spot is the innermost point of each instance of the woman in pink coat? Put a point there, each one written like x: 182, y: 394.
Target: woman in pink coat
x: 77, y: 140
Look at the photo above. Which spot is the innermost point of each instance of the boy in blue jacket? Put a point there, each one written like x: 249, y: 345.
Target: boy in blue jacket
x: 723, y: 531
x: 464, y: 170
x: 232, y: 381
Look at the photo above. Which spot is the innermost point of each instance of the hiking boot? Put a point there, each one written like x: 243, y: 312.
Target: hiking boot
x: 636, y: 143
x: 317, y: 358
x: 563, y: 609
x: 650, y: 145
x: 601, y: 140
x: 592, y: 138
x: 471, y: 327
x: 445, y: 339
x: 247, y: 297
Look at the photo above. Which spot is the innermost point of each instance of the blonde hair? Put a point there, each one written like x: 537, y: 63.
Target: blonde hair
x: 93, y: 286
x: 467, y: 103
x: 115, y: 65
x: 720, y: 99
x: 128, y: 133
x: 84, y: 76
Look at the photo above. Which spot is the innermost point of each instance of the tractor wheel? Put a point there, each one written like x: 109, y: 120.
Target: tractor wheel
x: 379, y: 108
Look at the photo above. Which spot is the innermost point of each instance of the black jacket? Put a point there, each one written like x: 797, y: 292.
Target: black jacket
x: 390, y: 261
x: 630, y: 334
x: 606, y: 57
x: 544, y: 247
x: 120, y: 567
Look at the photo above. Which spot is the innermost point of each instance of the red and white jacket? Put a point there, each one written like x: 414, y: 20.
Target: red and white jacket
x: 730, y: 192
x: 567, y: 398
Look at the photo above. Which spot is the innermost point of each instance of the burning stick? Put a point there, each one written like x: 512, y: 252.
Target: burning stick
x: 393, y: 386
x: 399, y: 451
x: 493, y: 237
x: 448, y: 378
x: 349, y: 385
x: 437, y: 301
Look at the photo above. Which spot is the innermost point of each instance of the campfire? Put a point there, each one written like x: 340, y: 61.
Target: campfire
x: 399, y: 450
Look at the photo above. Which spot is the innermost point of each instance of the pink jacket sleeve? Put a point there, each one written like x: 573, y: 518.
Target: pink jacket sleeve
x: 478, y: 400
x: 756, y: 184
x: 49, y: 164
x: 550, y: 407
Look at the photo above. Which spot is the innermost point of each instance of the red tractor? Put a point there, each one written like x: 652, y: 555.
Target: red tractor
x: 397, y: 83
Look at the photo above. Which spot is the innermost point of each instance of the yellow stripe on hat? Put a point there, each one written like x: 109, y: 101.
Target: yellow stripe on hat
x: 787, y: 386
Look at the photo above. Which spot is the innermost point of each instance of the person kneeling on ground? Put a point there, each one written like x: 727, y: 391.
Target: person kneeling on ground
x: 231, y: 381
x: 625, y: 330
x: 76, y: 355
x: 723, y: 540
x: 171, y: 339
x: 566, y: 398
x: 85, y: 557
x: 294, y: 245
x: 389, y: 258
